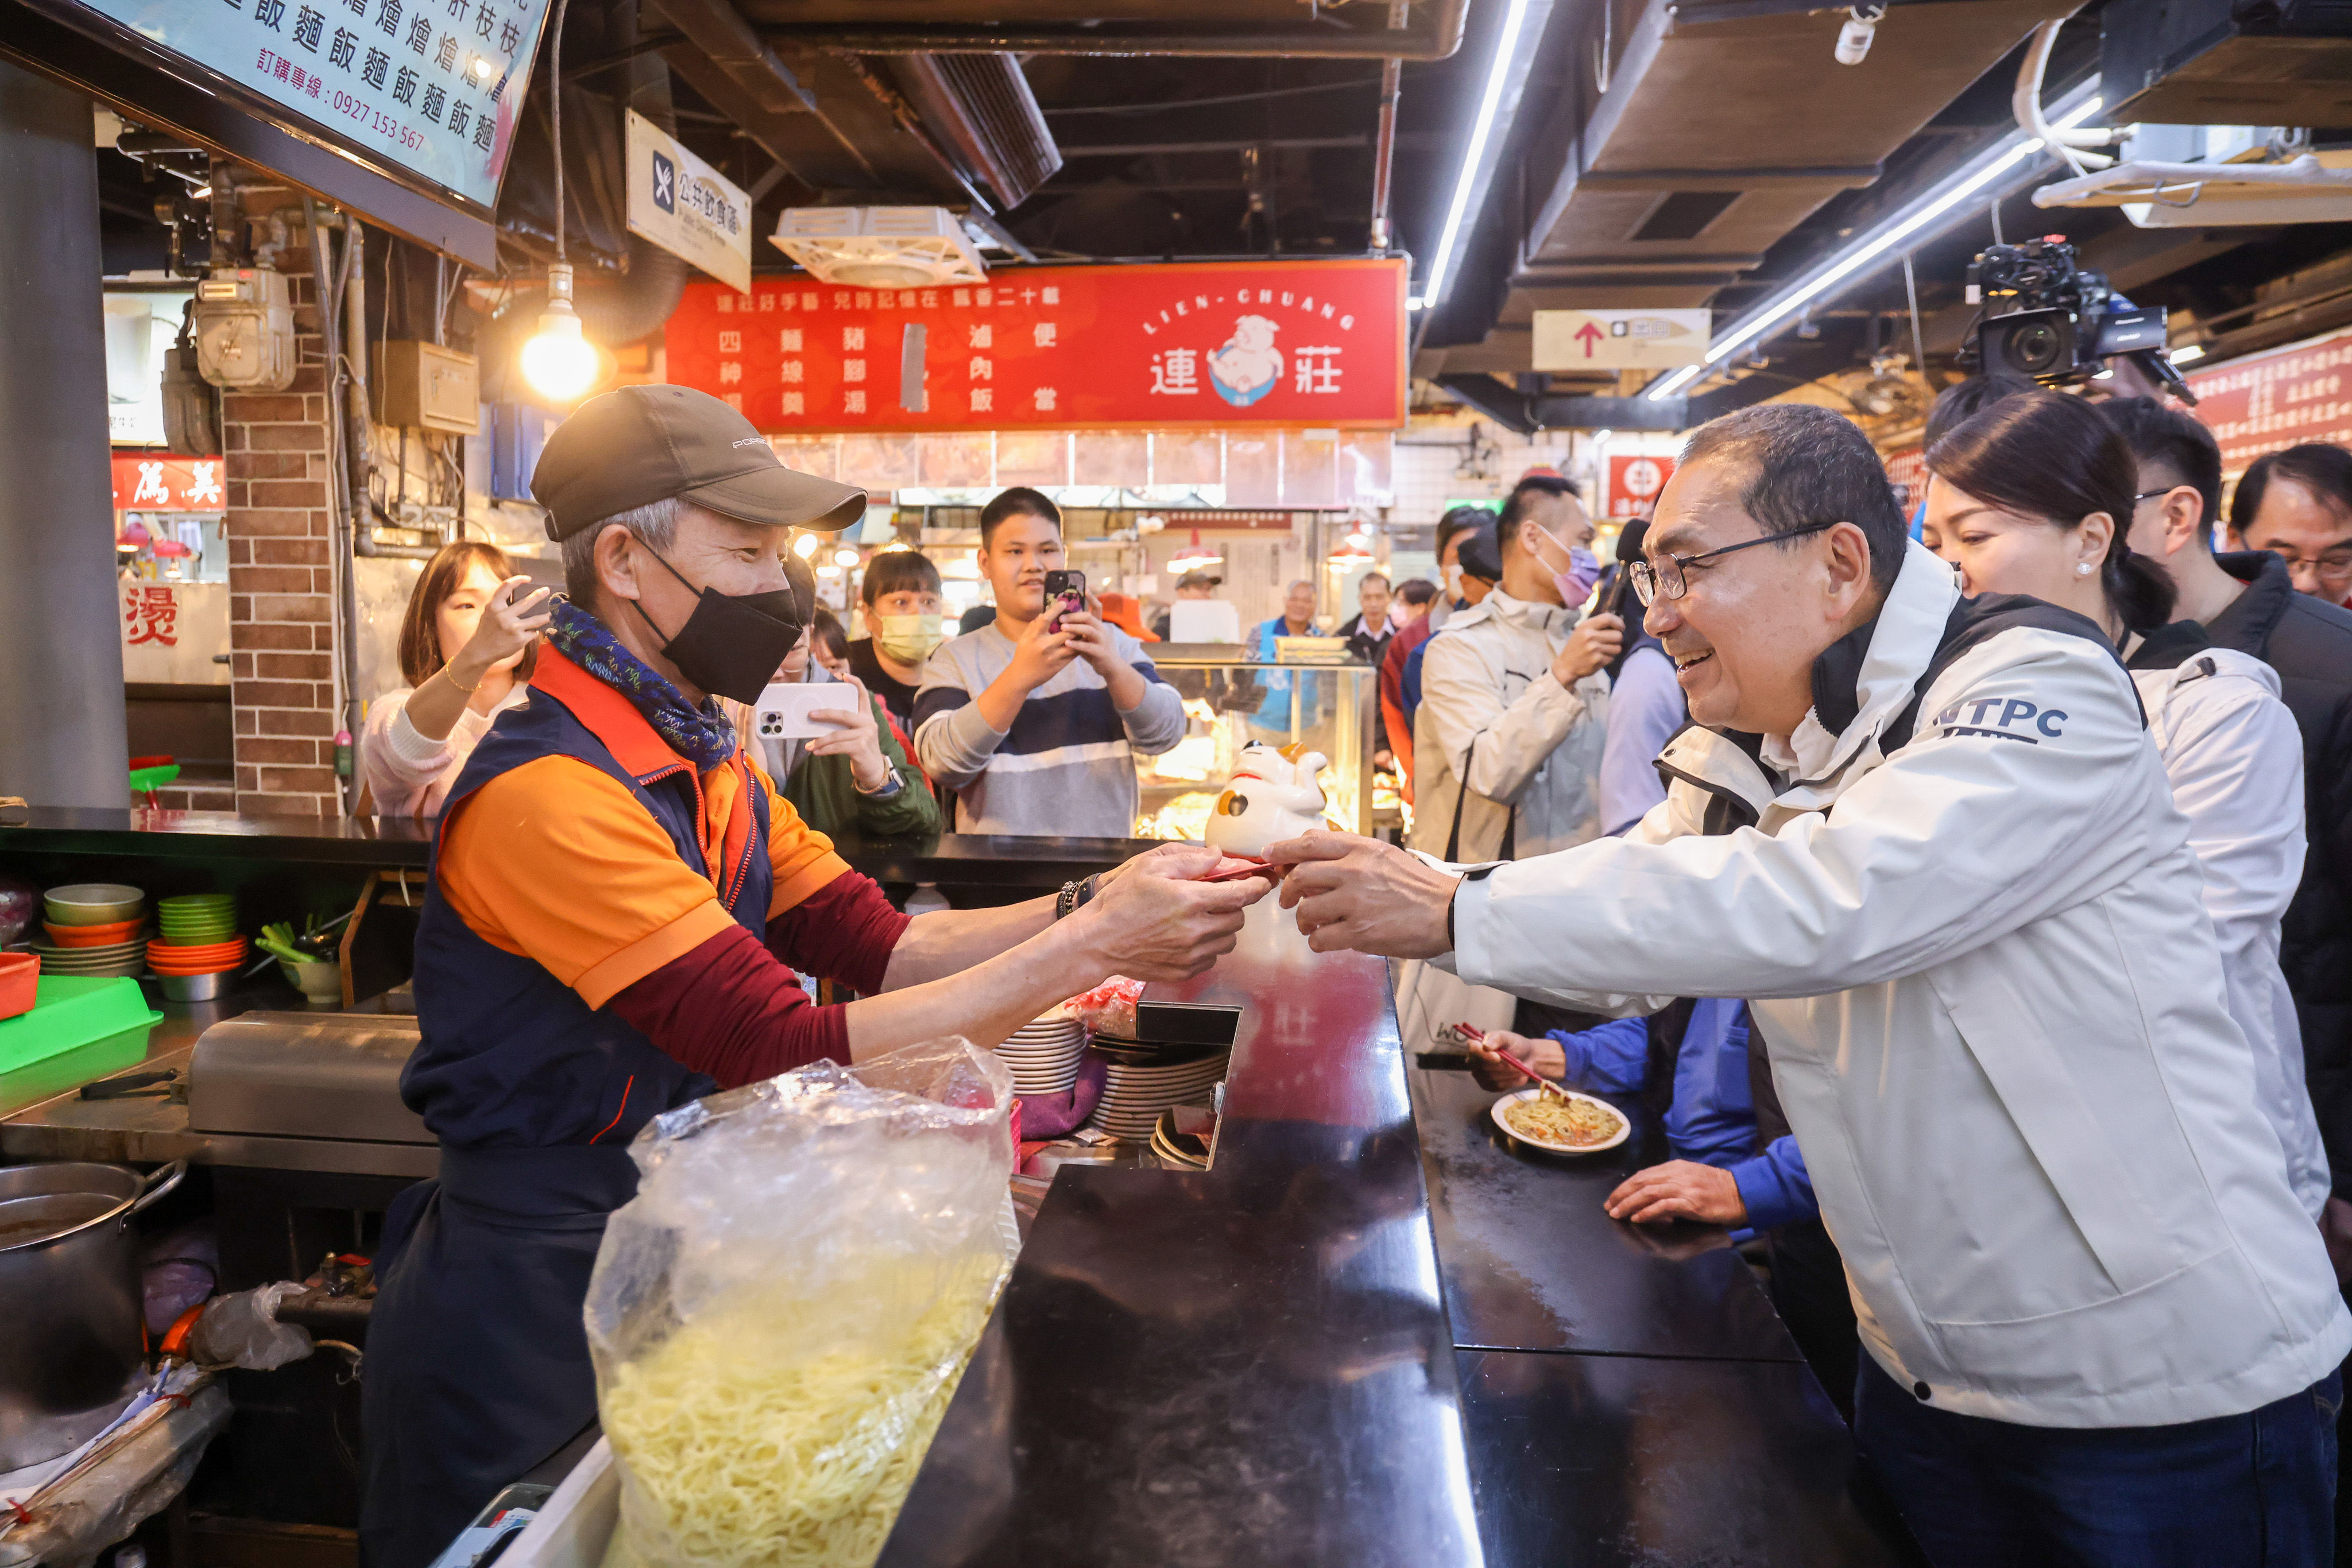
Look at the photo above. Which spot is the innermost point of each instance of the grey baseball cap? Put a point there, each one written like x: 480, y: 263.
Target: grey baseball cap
x: 635, y: 446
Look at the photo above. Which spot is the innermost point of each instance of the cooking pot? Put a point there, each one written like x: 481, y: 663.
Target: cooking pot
x: 74, y: 1350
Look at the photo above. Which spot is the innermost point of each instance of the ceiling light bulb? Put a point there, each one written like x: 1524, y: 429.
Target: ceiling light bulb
x: 557, y: 360
x: 844, y: 555
x: 804, y: 546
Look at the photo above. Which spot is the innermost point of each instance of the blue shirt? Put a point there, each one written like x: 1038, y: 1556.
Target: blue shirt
x: 1645, y: 709
x: 1713, y: 1118
x: 1275, y: 712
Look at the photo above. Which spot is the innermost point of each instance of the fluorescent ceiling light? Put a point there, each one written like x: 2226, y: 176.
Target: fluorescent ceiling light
x: 2187, y: 355
x: 1880, y: 244
x: 1482, y: 131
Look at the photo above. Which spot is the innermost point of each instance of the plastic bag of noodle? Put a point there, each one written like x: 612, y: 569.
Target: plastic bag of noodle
x: 778, y: 1317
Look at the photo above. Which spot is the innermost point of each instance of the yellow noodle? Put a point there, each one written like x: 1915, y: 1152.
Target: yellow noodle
x: 746, y: 1446
x: 1553, y: 1120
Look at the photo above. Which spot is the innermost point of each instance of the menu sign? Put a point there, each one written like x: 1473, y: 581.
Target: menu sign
x: 2267, y: 402
x: 1223, y: 345
x: 430, y: 86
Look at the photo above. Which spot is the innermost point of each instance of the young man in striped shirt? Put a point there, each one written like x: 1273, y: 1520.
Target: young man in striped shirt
x: 1036, y: 720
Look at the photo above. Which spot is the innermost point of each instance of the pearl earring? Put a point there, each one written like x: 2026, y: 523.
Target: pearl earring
x: 2083, y: 569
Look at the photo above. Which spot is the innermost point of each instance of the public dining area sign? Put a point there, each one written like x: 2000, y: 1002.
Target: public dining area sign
x: 1223, y: 345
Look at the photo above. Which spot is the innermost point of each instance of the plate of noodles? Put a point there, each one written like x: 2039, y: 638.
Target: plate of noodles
x: 1580, y: 1124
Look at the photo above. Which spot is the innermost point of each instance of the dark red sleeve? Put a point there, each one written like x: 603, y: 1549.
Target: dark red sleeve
x: 728, y: 1008
x: 843, y: 932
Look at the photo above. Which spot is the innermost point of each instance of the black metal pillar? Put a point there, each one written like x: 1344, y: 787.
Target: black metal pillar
x: 61, y: 730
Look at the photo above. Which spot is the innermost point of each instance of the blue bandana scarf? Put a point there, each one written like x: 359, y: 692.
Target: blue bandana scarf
x: 702, y: 736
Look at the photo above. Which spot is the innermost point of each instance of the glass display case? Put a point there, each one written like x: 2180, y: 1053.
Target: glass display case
x: 1231, y: 699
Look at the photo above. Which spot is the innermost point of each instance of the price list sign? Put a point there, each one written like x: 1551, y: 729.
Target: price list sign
x: 1209, y: 345
x: 432, y: 87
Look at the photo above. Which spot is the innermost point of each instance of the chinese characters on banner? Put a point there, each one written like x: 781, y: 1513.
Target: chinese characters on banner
x: 1223, y: 345
x: 167, y: 484
x: 433, y: 87
x: 151, y: 613
x: 1634, y: 483
x: 2267, y: 402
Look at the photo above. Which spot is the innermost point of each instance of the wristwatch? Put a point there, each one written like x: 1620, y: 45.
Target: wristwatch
x: 898, y: 782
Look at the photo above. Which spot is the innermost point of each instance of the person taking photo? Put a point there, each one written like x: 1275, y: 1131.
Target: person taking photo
x: 1036, y: 720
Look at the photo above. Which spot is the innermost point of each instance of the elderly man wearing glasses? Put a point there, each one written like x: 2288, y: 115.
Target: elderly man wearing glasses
x: 1931, y: 841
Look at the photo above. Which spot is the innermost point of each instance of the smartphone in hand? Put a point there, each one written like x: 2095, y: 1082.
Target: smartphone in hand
x: 1069, y: 587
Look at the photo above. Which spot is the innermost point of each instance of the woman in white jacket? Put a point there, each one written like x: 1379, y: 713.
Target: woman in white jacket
x: 2025, y: 498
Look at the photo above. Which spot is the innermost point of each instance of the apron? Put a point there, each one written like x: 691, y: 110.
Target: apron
x: 477, y: 1356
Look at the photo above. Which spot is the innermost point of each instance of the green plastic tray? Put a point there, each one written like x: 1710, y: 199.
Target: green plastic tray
x: 69, y: 1011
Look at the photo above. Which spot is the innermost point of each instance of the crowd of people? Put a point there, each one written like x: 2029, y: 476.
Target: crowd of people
x: 1971, y: 888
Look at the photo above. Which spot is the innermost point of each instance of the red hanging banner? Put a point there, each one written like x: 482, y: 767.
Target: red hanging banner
x: 2269, y: 401
x: 1210, y: 345
x: 162, y: 483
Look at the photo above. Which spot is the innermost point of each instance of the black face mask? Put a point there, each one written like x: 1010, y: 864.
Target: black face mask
x: 732, y: 644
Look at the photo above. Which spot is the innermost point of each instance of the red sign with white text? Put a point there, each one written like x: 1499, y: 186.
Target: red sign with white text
x: 2267, y: 402
x: 1215, y: 345
x: 161, y: 483
x: 1636, y: 482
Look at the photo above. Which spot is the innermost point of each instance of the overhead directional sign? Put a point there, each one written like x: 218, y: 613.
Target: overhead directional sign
x: 685, y: 207
x: 1620, y: 339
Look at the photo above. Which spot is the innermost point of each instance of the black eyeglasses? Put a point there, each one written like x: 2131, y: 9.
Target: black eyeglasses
x: 1650, y: 580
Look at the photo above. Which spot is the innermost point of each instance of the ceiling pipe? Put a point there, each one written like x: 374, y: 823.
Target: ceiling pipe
x: 1435, y: 40
x: 1384, y: 137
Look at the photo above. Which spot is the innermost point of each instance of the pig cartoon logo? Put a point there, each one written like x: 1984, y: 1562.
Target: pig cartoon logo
x: 1249, y: 365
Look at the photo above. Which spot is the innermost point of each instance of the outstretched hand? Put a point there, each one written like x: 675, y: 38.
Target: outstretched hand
x: 1361, y: 894
x: 1152, y: 920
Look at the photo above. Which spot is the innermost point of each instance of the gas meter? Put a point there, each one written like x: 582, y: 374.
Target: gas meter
x: 244, y: 330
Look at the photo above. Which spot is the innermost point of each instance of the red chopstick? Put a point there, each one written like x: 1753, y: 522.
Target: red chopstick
x: 1471, y: 1032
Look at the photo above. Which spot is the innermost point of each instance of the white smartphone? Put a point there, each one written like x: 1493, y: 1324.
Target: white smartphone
x: 783, y: 711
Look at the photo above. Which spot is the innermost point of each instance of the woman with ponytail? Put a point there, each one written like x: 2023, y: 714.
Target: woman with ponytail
x: 2035, y: 495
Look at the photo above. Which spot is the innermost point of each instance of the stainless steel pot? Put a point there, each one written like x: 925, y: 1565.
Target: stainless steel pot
x: 73, y: 1348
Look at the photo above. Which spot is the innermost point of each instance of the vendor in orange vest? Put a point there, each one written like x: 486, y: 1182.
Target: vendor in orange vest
x: 619, y: 898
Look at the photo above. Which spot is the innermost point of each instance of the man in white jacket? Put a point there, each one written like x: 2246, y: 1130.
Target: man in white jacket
x: 1931, y: 839
x: 1514, y: 706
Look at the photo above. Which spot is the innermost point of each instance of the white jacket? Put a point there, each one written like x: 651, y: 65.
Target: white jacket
x: 2234, y: 756
x: 1490, y: 710
x: 1996, y: 1018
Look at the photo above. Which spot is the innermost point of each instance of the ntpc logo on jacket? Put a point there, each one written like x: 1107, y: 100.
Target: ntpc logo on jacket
x: 2018, y: 719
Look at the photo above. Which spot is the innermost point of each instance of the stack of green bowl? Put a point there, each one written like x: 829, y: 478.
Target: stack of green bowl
x: 197, y: 919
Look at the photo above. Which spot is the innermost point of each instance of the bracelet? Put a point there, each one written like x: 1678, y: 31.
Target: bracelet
x: 444, y: 673
x: 1066, y: 901
x: 1085, y: 891
x: 885, y: 790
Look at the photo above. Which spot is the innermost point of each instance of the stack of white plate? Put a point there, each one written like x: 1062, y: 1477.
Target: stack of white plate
x: 1133, y: 1096
x: 115, y: 959
x: 1044, y: 1055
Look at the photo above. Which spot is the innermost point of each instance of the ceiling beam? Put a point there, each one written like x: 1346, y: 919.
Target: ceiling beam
x: 1524, y: 415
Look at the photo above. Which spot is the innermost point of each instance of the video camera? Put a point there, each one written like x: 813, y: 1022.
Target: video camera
x: 2049, y: 318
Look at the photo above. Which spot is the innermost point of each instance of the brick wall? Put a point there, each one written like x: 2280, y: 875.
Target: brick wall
x: 282, y: 583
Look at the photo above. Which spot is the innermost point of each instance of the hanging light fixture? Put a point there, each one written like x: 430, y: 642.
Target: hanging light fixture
x: 804, y: 546
x: 844, y: 555
x: 557, y: 361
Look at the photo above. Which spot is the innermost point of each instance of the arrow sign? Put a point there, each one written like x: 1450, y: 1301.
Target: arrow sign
x: 1619, y: 339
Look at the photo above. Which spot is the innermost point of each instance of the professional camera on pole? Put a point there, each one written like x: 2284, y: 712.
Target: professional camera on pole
x: 2050, y: 318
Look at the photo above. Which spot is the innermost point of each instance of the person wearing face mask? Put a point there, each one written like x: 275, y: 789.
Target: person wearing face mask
x: 619, y: 897
x: 2034, y: 497
x: 904, y: 620
x: 858, y: 776
x: 1514, y: 704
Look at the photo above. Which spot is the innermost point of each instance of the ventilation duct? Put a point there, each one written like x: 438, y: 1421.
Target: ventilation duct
x: 981, y: 107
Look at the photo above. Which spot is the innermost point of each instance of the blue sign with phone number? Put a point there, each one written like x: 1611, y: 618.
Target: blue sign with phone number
x: 433, y: 87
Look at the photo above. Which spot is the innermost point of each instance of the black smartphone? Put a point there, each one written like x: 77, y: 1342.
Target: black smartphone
x: 1067, y: 585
